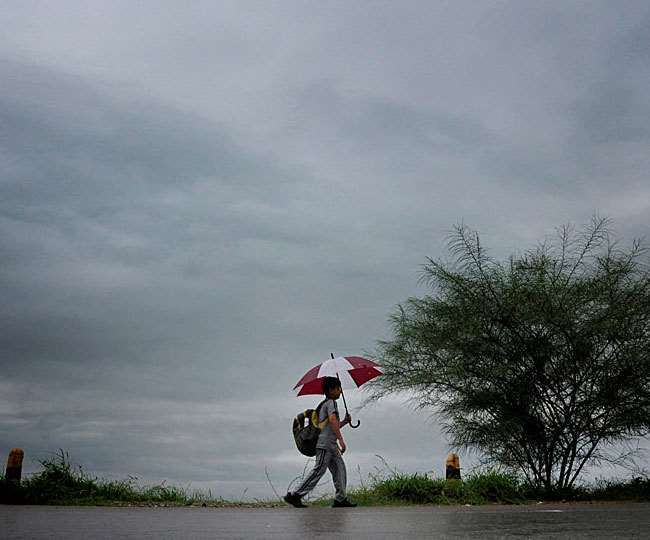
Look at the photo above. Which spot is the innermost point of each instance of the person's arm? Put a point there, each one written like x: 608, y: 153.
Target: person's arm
x: 336, y: 428
x: 346, y: 420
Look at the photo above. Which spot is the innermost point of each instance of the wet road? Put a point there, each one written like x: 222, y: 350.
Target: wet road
x: 540, y: 521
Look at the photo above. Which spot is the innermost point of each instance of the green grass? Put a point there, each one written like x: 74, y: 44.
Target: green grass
x: 485, y: 487
x: 636, y: 489
x: 60, y: 482
x: 389, y: 487
x: 418, y: 488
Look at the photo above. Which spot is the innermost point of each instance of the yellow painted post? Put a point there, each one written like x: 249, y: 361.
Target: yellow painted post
x: 452, y: 466
x: 14, y: 469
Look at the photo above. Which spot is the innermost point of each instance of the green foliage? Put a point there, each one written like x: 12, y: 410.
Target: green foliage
x: 58, y: 482
x: 490, y: 486
x: 616, y: 490
x: 61, y: 483
x: 388, y: 486
x: 495, y: 486
x: 414, y: 488
x: 456, y: 490
x: 539, y: 362
x: 635, y: 489
x: 398, y: 488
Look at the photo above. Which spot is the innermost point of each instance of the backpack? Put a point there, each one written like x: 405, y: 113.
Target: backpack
x: 307, y: 428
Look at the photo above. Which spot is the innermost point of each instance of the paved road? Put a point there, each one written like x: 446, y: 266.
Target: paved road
x: 541, y: 521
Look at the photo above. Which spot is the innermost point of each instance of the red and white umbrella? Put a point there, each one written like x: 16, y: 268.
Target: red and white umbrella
x: 352, y: 371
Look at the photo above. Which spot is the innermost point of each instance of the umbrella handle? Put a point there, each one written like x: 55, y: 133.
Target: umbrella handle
x: 353, y: 426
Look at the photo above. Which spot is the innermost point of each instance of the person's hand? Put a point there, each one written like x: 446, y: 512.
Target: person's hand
x: 343, y: 448
x: 347, y: 419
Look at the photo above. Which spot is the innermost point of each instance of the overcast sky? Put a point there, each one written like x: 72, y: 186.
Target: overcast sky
x: 200, y: 200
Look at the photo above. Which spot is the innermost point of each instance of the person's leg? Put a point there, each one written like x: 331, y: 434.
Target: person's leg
x: 339, y: 475
x: 309, y: 483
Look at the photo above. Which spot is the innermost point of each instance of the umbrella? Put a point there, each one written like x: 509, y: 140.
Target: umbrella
x: 352, y: 371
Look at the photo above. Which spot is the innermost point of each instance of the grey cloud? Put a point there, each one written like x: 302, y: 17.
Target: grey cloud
x: 99, y: 257
x: 103, y: 151
x: 615, y: 107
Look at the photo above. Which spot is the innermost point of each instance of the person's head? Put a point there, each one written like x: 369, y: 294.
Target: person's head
x: 332, y: 388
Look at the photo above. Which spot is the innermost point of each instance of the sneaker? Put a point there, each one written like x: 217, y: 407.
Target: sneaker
x: 294, y: 500
x: 345, y: 503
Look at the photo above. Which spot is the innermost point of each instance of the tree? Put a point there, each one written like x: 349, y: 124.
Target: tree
x: 540, y: 362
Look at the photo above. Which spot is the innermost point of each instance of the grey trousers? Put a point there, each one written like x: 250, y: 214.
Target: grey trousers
x: 326, y: 458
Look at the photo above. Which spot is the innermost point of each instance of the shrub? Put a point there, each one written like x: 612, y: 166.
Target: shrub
x: 495, y: 486
x: 457, y: 492
x: 58, y: 482
x: 61, y: 483
x: 414, y: 488
x: 635, y: 489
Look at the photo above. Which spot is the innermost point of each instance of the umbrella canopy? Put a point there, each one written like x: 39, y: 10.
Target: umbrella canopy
x: 353, y: 371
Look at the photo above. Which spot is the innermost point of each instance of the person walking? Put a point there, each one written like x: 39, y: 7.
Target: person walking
x: 329, y: 454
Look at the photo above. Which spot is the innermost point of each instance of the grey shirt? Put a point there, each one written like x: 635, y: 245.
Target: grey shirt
x: 327, y: 438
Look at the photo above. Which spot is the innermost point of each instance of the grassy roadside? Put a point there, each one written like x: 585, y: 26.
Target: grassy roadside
x: 488, y: 488
x: 62, y: 484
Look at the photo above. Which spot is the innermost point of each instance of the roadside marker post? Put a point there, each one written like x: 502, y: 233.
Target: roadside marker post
x: 452, y: 467
x: 14, y: 470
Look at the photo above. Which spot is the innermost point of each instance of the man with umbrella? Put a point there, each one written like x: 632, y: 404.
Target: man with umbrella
x: 328, y: 377
x: 328, y: 454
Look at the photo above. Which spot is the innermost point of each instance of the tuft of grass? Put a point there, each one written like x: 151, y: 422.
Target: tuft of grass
x: 495, y: 486
x: 422, y: 489
x: 62, y: 483
x: 414, y: 488
x: 395, y: 488
x: 636, y: 489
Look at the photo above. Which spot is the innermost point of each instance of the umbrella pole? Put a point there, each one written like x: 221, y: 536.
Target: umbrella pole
x: 345, y: 403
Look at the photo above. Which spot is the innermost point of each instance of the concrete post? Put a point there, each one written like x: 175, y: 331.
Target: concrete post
x: 14, y: 469
x: 452, y: 467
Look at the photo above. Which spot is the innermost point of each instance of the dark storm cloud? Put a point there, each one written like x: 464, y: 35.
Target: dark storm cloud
x: 104, y: 252
x: 196, y: 205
